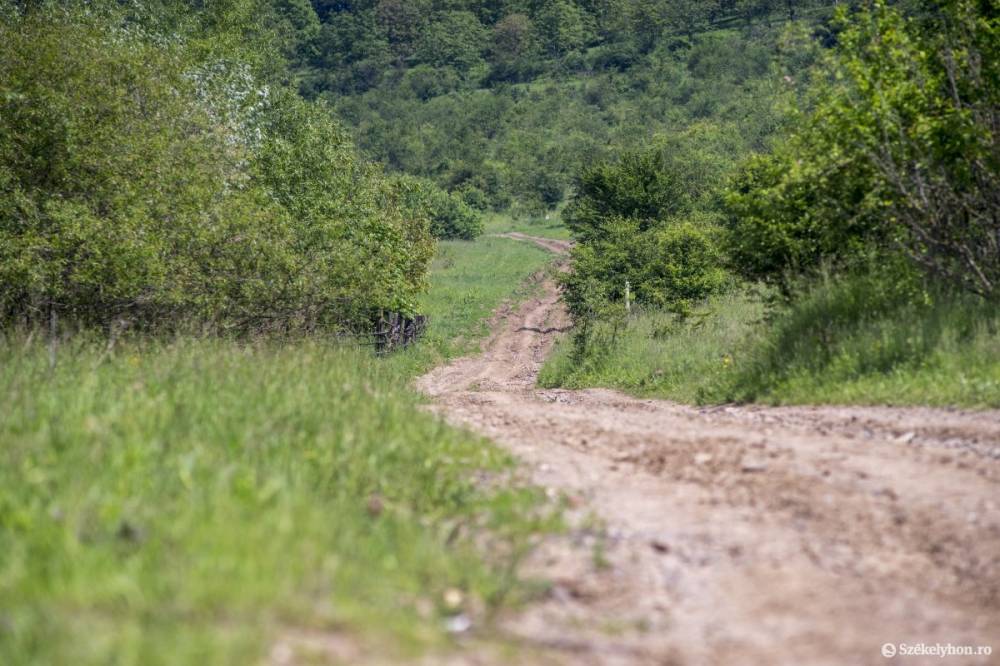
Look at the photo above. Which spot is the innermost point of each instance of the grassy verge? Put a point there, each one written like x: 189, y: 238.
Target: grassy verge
x: 657, y: 357
x: 850, y: 341
x: 191, y: 502
x: 550, y: 227
x: 845, y: 341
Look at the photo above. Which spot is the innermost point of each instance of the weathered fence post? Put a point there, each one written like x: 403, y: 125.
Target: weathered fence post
x: 396, y: 330
x: 53, y: 335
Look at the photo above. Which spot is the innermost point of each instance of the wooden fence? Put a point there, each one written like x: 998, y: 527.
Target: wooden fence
x: 393, y: 330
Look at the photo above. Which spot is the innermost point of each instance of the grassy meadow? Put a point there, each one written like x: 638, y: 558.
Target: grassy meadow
x: 548, y: 226
x: 468, y: 281
x: 192, y: 501
x: 841, y: 342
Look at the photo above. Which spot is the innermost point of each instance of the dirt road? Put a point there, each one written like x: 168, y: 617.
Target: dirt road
x: 739, y: 535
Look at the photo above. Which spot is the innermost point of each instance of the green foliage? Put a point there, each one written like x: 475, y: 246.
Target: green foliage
x: 673, y: 265
x: 143, y: 183
x: 453, y: 39
x: 645, y: 223
x: 514, y: 98
x: 781, y: 228
x: 637, y: 186
x: 515, y: 53
x: 878, y: 336
x: 99, y: 192
x: 563, y: 26
x: 899, y: 150
x: 351, y: 52
x: 403, y: 22
x: 683, y: 266
x: 873, y: 216
x: 448, y: 215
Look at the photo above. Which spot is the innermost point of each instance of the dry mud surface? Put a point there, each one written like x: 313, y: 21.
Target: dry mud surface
x: 738, y: 535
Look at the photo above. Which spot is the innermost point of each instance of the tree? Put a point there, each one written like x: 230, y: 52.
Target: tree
x: 403, y: 21
x: 140, y: 181
x: 353, y: 51
x: 899, y: 153
x: 515, y: 51
x: 453, y: 38
x: 636, y: 186
x: 561, y: 27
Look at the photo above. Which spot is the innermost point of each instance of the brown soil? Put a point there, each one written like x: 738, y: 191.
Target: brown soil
x: 738, y: 535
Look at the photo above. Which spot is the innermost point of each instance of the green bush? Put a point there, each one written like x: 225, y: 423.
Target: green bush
x: 449, y: 215
x: 141, y: 182
x: 684, y: 264
x: 673, y: 265
x: 898, y: 150
x: 648, y: 219
x: 637, y: 186
x: 780, y: 227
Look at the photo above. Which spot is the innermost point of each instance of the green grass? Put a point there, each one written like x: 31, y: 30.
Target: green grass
x: 855, y: 341
x: 188, y: 502
x: 844, y: 341
x: 655, y: 356
x: 468, y: 281
x: 552, y: 227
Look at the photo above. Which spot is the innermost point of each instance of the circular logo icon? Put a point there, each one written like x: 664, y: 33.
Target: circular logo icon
x: 888, y: 650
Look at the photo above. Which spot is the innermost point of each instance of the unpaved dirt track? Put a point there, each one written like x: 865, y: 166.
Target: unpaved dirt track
x: 738, y: 535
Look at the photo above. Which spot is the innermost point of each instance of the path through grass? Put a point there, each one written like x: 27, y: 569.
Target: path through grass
x: 188, y: 502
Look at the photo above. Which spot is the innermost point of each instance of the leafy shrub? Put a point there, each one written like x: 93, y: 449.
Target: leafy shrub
x: 899, y: 151
x: 448, y: 214
x: 139, y: 181
x: 780, y: 226
x: 425, y: 82
x: 672, y: 266
x: 684, y: 265
x: 356, y: 246
x: 637, y: 186
x: 475, y: 198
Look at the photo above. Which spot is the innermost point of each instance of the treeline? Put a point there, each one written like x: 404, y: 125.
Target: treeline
x: 502, y: 102
x: 157, y: 171
x: 878, y: 200
x: 351, y: 46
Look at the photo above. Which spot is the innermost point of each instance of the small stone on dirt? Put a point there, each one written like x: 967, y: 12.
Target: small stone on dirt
x: 752, y: 466
x: 888, y: 492
x: 660, y: 546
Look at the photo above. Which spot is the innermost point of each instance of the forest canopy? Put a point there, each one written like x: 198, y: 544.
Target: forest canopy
x: 504, y: 101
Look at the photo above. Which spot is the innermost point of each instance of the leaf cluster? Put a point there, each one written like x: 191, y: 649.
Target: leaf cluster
x: 146, y: 180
